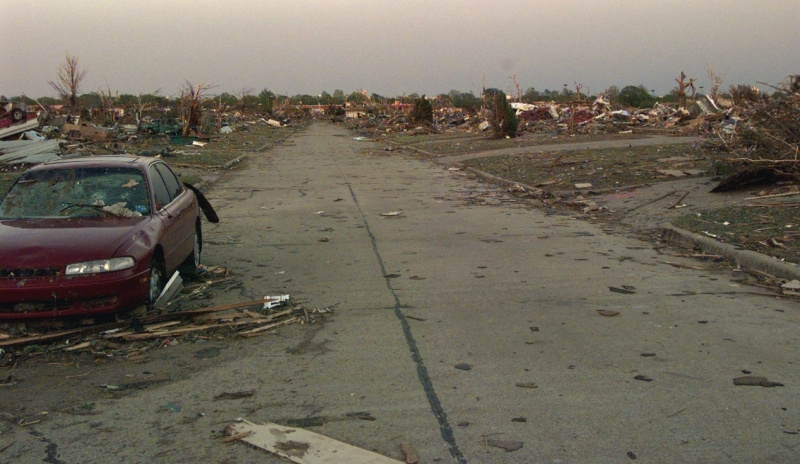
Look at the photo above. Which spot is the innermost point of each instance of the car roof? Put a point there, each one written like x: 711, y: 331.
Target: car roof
x: 115, y: 161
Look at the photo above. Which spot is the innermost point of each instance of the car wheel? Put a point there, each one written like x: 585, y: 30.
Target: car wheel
x: 156, y: 280
x: 17, y: 114
x: 192, y: 262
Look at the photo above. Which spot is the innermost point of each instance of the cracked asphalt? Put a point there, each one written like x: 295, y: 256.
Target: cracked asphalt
x: 428, y: 269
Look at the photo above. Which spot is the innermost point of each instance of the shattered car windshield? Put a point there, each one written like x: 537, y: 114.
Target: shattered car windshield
x: 77, y: 192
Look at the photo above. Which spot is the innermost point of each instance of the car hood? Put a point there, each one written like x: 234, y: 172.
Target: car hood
x: 28, y: 243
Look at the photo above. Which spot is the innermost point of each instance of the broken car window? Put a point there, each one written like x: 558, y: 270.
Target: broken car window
x: 77, y: 192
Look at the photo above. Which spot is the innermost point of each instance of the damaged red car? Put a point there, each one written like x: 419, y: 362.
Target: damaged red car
x: 95, y: 235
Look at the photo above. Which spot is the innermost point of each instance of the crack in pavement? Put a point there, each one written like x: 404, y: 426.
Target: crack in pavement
x: 422, y: 372
x: 51, y: 450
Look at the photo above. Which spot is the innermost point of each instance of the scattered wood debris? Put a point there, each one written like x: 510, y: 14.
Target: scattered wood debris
x: 755, y: 381
x: 243, y: 319
x: 506, y: 445
x: 234, y: 395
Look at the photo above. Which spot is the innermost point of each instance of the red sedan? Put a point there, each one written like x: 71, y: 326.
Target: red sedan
x: 94, y: 235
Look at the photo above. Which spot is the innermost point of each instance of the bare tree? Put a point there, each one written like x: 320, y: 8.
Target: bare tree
x: 716, y: 80
x: 682, y: 86
x: 191, y: 97
x: 516, y: 91
x: 243, y: 96
x: 578, y: 88
x: 68, y: 80
x: 108, y: 103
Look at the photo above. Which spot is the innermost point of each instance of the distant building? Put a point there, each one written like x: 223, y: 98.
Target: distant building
x: 355, y: 112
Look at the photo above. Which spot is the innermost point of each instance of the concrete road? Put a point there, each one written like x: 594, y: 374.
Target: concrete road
x: 461, y: 276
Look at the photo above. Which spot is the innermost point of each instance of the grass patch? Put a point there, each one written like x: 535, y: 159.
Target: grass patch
x: 202, y: 159
x: 773, y: 231
x: 603, y: 168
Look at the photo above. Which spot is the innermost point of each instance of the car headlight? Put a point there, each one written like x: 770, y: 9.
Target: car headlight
x: 99, y: 266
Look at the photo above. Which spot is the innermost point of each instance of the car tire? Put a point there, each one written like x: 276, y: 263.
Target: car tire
x: 192, y: 262
x: 17, y: 114
x: 157, y: 280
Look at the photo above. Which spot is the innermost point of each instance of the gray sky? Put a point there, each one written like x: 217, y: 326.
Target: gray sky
x: 393, y: 48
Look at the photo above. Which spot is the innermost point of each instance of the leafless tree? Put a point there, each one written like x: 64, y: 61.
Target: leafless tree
x: 716, y: 80
x: 243, y: 96
x: 108, y: 103
x: 191, y: 97
x: 516, y: 91
x: 578, y: 88
x: 68, y: 80
x: 682, y: 86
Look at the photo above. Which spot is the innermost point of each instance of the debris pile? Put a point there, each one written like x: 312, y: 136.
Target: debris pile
x: 579, y: 117
x: 244, y: 319
x: 763, y: 135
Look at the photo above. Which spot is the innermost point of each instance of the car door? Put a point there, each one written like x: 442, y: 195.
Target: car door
x: 183, y: 208
x: 166, y: 212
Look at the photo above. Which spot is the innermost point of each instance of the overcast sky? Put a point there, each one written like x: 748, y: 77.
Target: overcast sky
x: 395, y: 47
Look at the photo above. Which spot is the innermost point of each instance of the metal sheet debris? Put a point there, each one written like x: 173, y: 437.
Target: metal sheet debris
x: 28, y: 151
x: 274, y: 301
x: 174, y: 285
x: 85, y: 131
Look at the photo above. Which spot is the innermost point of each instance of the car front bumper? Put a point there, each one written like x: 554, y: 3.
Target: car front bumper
x: 52, y: 296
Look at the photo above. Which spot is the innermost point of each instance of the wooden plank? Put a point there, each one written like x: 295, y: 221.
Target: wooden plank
x: 210, y: 309
x: 169, y: 333
x: 304, y: 447
x: 161, y: 325
x: 18, y: 341
x: 259, y: 330
x: 58, y: 335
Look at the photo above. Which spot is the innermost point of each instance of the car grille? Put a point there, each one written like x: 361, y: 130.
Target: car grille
x: 35, y: 306
x: 28, y: 272
x: 88, y: 304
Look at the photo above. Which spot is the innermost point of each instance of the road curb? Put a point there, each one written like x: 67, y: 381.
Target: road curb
x: 495, y: 179
x: 747, y: 258
x: 235, y: 160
